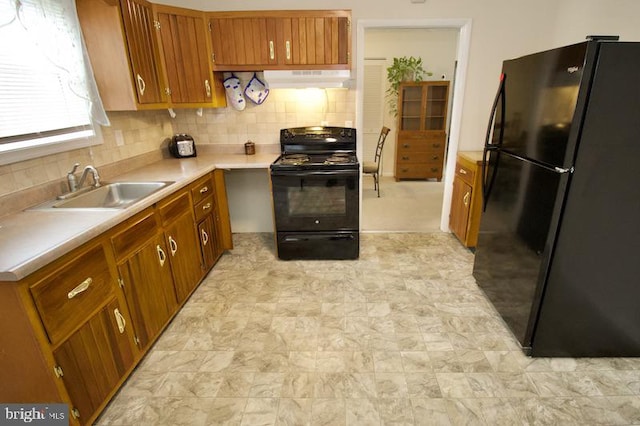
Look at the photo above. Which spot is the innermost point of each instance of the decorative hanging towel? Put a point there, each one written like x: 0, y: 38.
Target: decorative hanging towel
x: 234, y: 92
x: 256, y: 91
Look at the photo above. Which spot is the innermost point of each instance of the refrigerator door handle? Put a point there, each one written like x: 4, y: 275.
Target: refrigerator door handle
x: 492, y: 115
x: 488, y: 147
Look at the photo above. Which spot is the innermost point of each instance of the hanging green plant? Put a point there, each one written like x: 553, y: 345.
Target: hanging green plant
x: 403, y: 69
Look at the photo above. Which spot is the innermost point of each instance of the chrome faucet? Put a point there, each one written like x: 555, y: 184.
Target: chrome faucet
x: 85, y: 172
x: 71, y: 178
x: 74, y: 184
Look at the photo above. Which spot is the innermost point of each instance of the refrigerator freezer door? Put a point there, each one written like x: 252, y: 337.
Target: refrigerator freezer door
x: 512, y: 244
x: 591, y: 300
x: 541, y: 93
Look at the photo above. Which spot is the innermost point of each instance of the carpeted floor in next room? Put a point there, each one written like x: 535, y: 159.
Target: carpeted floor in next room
x: 401, y: 336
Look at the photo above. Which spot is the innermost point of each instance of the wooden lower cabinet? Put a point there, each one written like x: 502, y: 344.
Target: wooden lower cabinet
x: 466, y: 199
x: 74, y: 330
x: 95, y: 358
x: 145, y: 276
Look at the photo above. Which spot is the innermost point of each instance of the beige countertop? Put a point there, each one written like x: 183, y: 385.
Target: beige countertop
x: 33, y: 238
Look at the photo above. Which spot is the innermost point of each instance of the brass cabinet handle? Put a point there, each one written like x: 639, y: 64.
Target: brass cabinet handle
x: 120, y: 320
x: 207, y: 87
x: 162, y: 257
x: 435, y: 157
x: 406, y: 145
x: 141, y: 85
x: 272, y: 54
x: 205, y: 237
x: 204, y: 189
x: 173, y: 245
x: 206, y: 207
x: 405, y: 158
x: 436, y: 145
x: 288, y: 48
x: 82, y: 287
x: 465, y: 199
x: 462, y: 171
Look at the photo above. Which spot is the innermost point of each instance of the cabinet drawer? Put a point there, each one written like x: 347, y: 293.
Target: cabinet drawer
x: 466, y: 173
x: 201, y: 189
x: 419, y: 157
x: 172, y: 209
x: 430, y: 136
x: 133, y: 232
x: 419, y: 171
x: 203, y: 208
x: 68, y: 296
x: 420, y: 146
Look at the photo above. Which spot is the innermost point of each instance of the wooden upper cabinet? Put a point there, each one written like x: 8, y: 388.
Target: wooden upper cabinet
x: 143, y: 50
x: 185, y: 56
x: 124, y: 54
x: 259, y: 40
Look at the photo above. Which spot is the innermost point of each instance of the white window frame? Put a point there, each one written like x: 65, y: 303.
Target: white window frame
x: 28, y: 146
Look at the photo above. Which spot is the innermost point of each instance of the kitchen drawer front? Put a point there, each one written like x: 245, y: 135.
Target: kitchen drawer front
x: 70, y: 294
x: 133, y: 232
x: 204, y: 208
x: 466, y: 173
x: 419, y: 171
x: 422, y: 136
x: 405, y: 145
x: 419, y: 157
x: 175, y: 207
x: 201, y: 189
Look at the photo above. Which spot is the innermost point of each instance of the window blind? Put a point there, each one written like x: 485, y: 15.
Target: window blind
x: 44, y: 95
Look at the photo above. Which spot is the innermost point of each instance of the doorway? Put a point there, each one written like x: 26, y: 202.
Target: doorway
x: 427, y: 202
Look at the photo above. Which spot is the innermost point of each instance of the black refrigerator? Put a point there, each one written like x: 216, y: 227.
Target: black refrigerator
x: 558, y: 253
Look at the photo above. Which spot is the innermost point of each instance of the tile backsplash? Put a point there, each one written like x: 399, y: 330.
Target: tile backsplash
x: 262, y: 123
x: 135, y: 138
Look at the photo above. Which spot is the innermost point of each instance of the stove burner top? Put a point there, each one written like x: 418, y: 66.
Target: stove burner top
x: 294, y: 159
x: 338, y: 158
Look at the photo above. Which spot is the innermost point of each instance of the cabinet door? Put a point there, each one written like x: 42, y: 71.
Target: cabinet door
x: 460, y: 207
x: 239, y: 41
x: 184, y: 255
x: 148, y: 288
x: 315, y: 40
x: 143, y: 50
x: 185, y: 51
x: 95, y: 358
x: 435, y: 117
x: 208, y: 243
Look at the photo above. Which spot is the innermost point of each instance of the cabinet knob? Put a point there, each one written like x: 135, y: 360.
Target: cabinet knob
x: 206, y: 207
x: 80, y: 288
x: 462, y: 171
x: 173, y: 246
x: 406, y: 145
x: 204, y: 189
x: 405, y: 158
x: 141, y: 85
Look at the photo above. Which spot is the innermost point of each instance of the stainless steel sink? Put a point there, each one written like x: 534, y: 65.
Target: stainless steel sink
x: 117, y: 195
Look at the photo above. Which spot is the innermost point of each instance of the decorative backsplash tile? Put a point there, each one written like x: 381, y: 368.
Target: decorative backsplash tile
x: 135, y: 138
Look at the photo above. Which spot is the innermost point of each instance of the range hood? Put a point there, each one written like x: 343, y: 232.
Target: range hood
x: 297, y: 79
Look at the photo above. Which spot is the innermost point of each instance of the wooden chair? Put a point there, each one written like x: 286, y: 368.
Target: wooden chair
x: 373, y: 167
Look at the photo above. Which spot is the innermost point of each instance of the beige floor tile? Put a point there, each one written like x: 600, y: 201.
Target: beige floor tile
x: 401, y: 336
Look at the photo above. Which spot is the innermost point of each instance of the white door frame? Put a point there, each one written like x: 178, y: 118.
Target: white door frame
x: 462, y: 56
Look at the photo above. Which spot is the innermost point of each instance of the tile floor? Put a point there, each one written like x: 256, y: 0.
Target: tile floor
x: 402, y: 336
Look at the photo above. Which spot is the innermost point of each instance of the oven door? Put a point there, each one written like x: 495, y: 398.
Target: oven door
x: 310, y: 201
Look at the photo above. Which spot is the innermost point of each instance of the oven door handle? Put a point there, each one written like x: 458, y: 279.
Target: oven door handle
x: 348, y: 237
x: 316, y: 173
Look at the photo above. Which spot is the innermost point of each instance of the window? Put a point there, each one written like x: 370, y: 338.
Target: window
x: 48, y: 99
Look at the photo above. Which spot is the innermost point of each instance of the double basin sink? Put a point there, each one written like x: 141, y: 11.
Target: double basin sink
x: 117, y: 195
